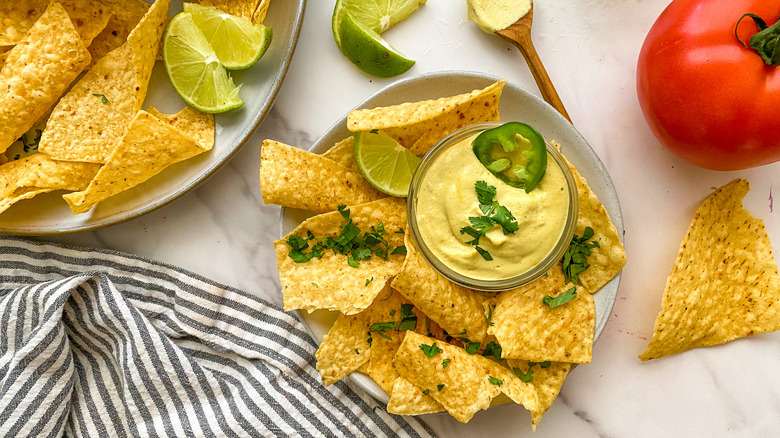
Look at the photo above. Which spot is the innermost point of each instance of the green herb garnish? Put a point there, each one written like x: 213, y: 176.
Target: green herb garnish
x: 430, y: 350
x: 408, y: 318
x: 494, y: 214
x: 369, y: 280
x: 101, y: 96
x: 560, y: 299
x: 492, y: 349
x: 525, y: 377
x: 575, y: 259
x: 471, y: 347
x: 440, y: 386
x: 495, y: 381
x: 382, y: 327
x: 426, y: 391
x: 445, y: 362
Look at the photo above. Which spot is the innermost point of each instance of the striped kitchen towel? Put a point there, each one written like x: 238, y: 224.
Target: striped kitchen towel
x: 100, y: 344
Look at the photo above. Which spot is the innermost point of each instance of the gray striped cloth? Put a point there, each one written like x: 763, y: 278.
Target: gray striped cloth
x: 100, y: 344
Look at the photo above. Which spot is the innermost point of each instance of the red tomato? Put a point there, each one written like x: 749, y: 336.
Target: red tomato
x: 707, y: 98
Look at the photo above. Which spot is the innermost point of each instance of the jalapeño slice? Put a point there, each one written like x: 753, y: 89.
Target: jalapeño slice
x: 514, y: 152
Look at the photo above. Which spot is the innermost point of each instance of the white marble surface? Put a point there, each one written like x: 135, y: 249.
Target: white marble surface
x: 223, y: 231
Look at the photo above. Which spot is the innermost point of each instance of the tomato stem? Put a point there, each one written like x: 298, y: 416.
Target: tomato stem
x: 766, y: 42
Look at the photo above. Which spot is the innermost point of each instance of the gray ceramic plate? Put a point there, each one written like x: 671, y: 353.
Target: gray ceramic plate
x: 49, y: 214
x: 516, y: 104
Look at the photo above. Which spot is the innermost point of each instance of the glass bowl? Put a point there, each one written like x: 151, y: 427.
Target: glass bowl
x: 554, y: 255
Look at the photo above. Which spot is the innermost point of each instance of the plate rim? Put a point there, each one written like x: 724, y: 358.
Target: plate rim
x: 248, y: 130
x: 616, y: 216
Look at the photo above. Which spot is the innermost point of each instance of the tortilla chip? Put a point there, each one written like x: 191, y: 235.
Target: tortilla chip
x: 527, y: 328
x: 89, y: 120
x: 608, y: 259
x: 724, y: 284
x: 295, y: 178
x: 470, y: 381
x: 3, y: 55
x: 30, y: 176
x: 37, y: 72
x: 194, y: 124
x: 147, y: 148
x: 239, y: 8
x: 407, y: 399
x: 420, y: 125
x: 330, y: 282
x: 343, y: 153
x: 3, y: 159
x: 126, y: 14
x: 456, y: 309
x: 546, y: 381
x: 262, y: 10
x: 17, y: 17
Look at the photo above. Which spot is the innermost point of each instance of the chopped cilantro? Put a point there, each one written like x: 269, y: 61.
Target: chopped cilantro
x: 399, y: 250
x: 101, y: 96
x: 445, y: 362
x: 490, y: 315
x: 408, y: 318
x: 575, y: 259
x: 471, y: 347
x: 545, y: 364
x: 430, y: 350
x: 426, y: 391
x: 492, y: 349
x: 525, y: 377
x: 440, y: 386
x: 369, y: 280
x: 352, y: 262
x: 392, y: 312
x: 493, y: 214
x: 315, y: 284
x: 485, y: 255
x: 560, y: 299
x: 495, y: 381
x: 357, y: 351
x: 382, y: 327
x: 399, y: 231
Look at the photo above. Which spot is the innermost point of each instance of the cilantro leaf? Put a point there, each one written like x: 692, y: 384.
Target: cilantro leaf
x: 430, y: 350
x: 485, y: 192
x: 381, y: 327
x: 445, y: 362
x: 492, y: 349
x: 495, y: 381
x: 545, y: 364
x: 440, y: 386
x: 560, y: 299
x: 485, y: 255
x: 408, y: 318
x: 575, y: 258
x: 426, y: 391
x: 525, y: 377
x: 471, y: 347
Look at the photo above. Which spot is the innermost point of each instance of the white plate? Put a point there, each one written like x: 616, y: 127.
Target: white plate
x: 516, y: 104
x: 49, y: 214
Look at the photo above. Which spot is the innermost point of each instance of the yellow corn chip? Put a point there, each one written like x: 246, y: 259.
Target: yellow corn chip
x: 343, y: 153
x: 126, y: 14
x: 292, y: 177
x: 407, y: 399
x: 546, y: 381
x: 469, y: 381
x: 527, y: 328
x: 608, y: 259
x: 262, y: 9
x: 724, y: 284
x: 37, y: 71
x: 3, y: 159
x: 3, y: 55
x: 147, y: 148
x: 30, y: 176
x: 330, y: 282
x: 89, y: 120
x: 239, y: 8
x: 16, y: 17
x: 192, y: 123
x: 456, y: 309
x: 420, y: 125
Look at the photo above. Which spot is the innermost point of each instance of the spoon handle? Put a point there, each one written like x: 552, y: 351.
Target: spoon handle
x: 522, y: 39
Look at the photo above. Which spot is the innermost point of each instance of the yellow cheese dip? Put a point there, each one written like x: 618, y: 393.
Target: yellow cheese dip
x: 494, y: 15
x: 447, y: 198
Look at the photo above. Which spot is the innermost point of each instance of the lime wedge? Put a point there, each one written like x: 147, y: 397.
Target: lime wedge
x: 377, y: 15
x: 384, y: 163
x: 368, y: 51
x: 238, y: 42
x: 194, y: 70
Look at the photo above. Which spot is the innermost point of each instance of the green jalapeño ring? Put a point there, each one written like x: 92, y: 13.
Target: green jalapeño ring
x: 492, y: 206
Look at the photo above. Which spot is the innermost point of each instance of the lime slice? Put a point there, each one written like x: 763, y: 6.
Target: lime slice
x: 377, y: 15
x: 368, y: 51
x: 386, y: 164
x: 238, y: 42
x: 194, y: 70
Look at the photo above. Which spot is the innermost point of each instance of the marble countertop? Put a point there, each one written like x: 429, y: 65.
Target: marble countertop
x: 222, y: 230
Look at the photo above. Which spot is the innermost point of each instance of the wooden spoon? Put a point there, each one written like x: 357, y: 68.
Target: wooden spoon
x: 519, y: 34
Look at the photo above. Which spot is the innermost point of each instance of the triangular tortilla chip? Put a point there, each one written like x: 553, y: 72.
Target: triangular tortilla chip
x: 36, y: 174
x: 469, y: 381
x: 17, y: 16
x: 330, y: 282
x: 527, y: 328
x: 198, y: 126
x: 407, y: 399
x: 546, y: 379
x: 147, y: 148
x: 239, y: 8
x: 125, y: 15
x: 420, y: 125
x: 37, y: 72
x: 295, y: 178
x: 724, y: 284
x: 343, y: 153
x: 456, y: 309
x: 89, y: 120
x: 608, y: 259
